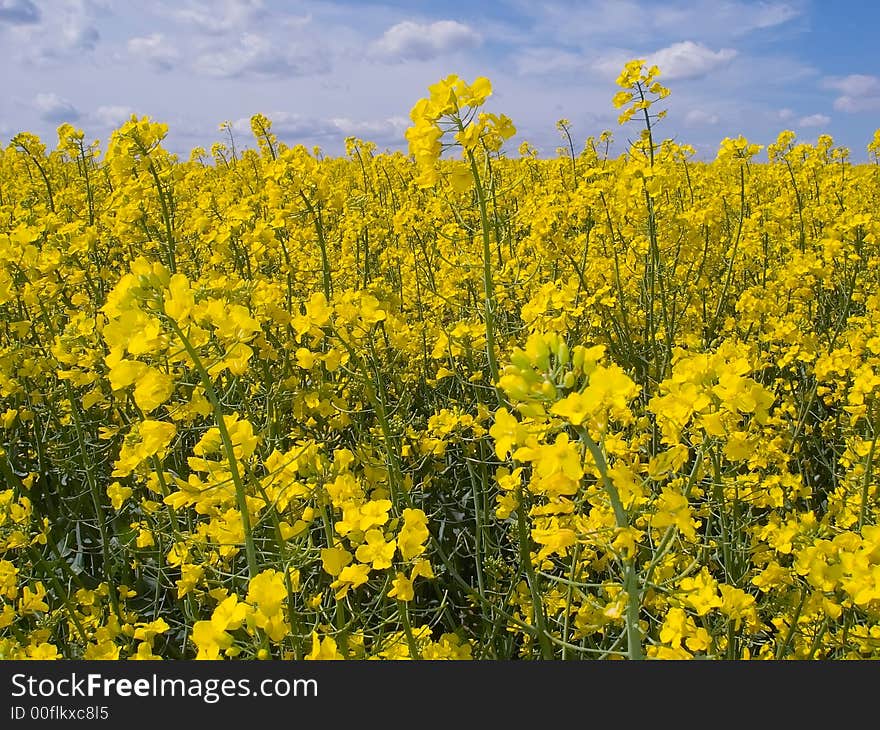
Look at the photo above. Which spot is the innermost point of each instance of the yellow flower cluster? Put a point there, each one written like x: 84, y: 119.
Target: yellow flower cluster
x: 451, y: 111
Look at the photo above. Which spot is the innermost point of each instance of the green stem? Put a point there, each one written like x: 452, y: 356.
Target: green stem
x: 166, y: 213
x: 631, y: 578
x: 792, y: 629
x: 340, y: 606
x: 62, y: 593
x: 526, y: 560
x: 488, y: 284
x: 322, y: 244
x: 240, y: 496
x: 866, y: 481
x: 96, y: 498
x: 407, y: 629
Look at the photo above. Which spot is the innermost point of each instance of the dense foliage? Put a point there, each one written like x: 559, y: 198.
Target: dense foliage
x: 447, y: 405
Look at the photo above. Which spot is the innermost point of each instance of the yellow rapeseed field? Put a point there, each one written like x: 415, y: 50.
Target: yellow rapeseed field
x: 446, y: 405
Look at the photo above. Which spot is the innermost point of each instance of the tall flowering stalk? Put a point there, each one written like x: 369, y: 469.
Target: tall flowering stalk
x: 452, y: 109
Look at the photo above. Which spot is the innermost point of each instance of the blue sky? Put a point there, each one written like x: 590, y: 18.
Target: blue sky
x: 326, y: 70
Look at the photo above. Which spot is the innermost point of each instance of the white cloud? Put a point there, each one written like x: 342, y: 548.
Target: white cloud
x: 283, y: 123
x: 383, y: 130
x: 722, y: 18
x: 580, y: 22
x: 257, y: 55
x: 78, y: 29
x: 855, y: 84
x: 769, y: 15
x: 814, y: 120
x: 301, y: 129
x: 112, y: 116
x: 54, y: 109
x: 783, y: 115
x: 611, y: 63
x: 699, y: 118
x: 408, y: 41
x: 85, y: 38
x: 68, y: 30
x: 546, y: 61
x: 688, y: 60
x: 858, y: 92
x: 19, y: 12
x: 683, y: 60
x: 155, y: 50
x: 220, y: 17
